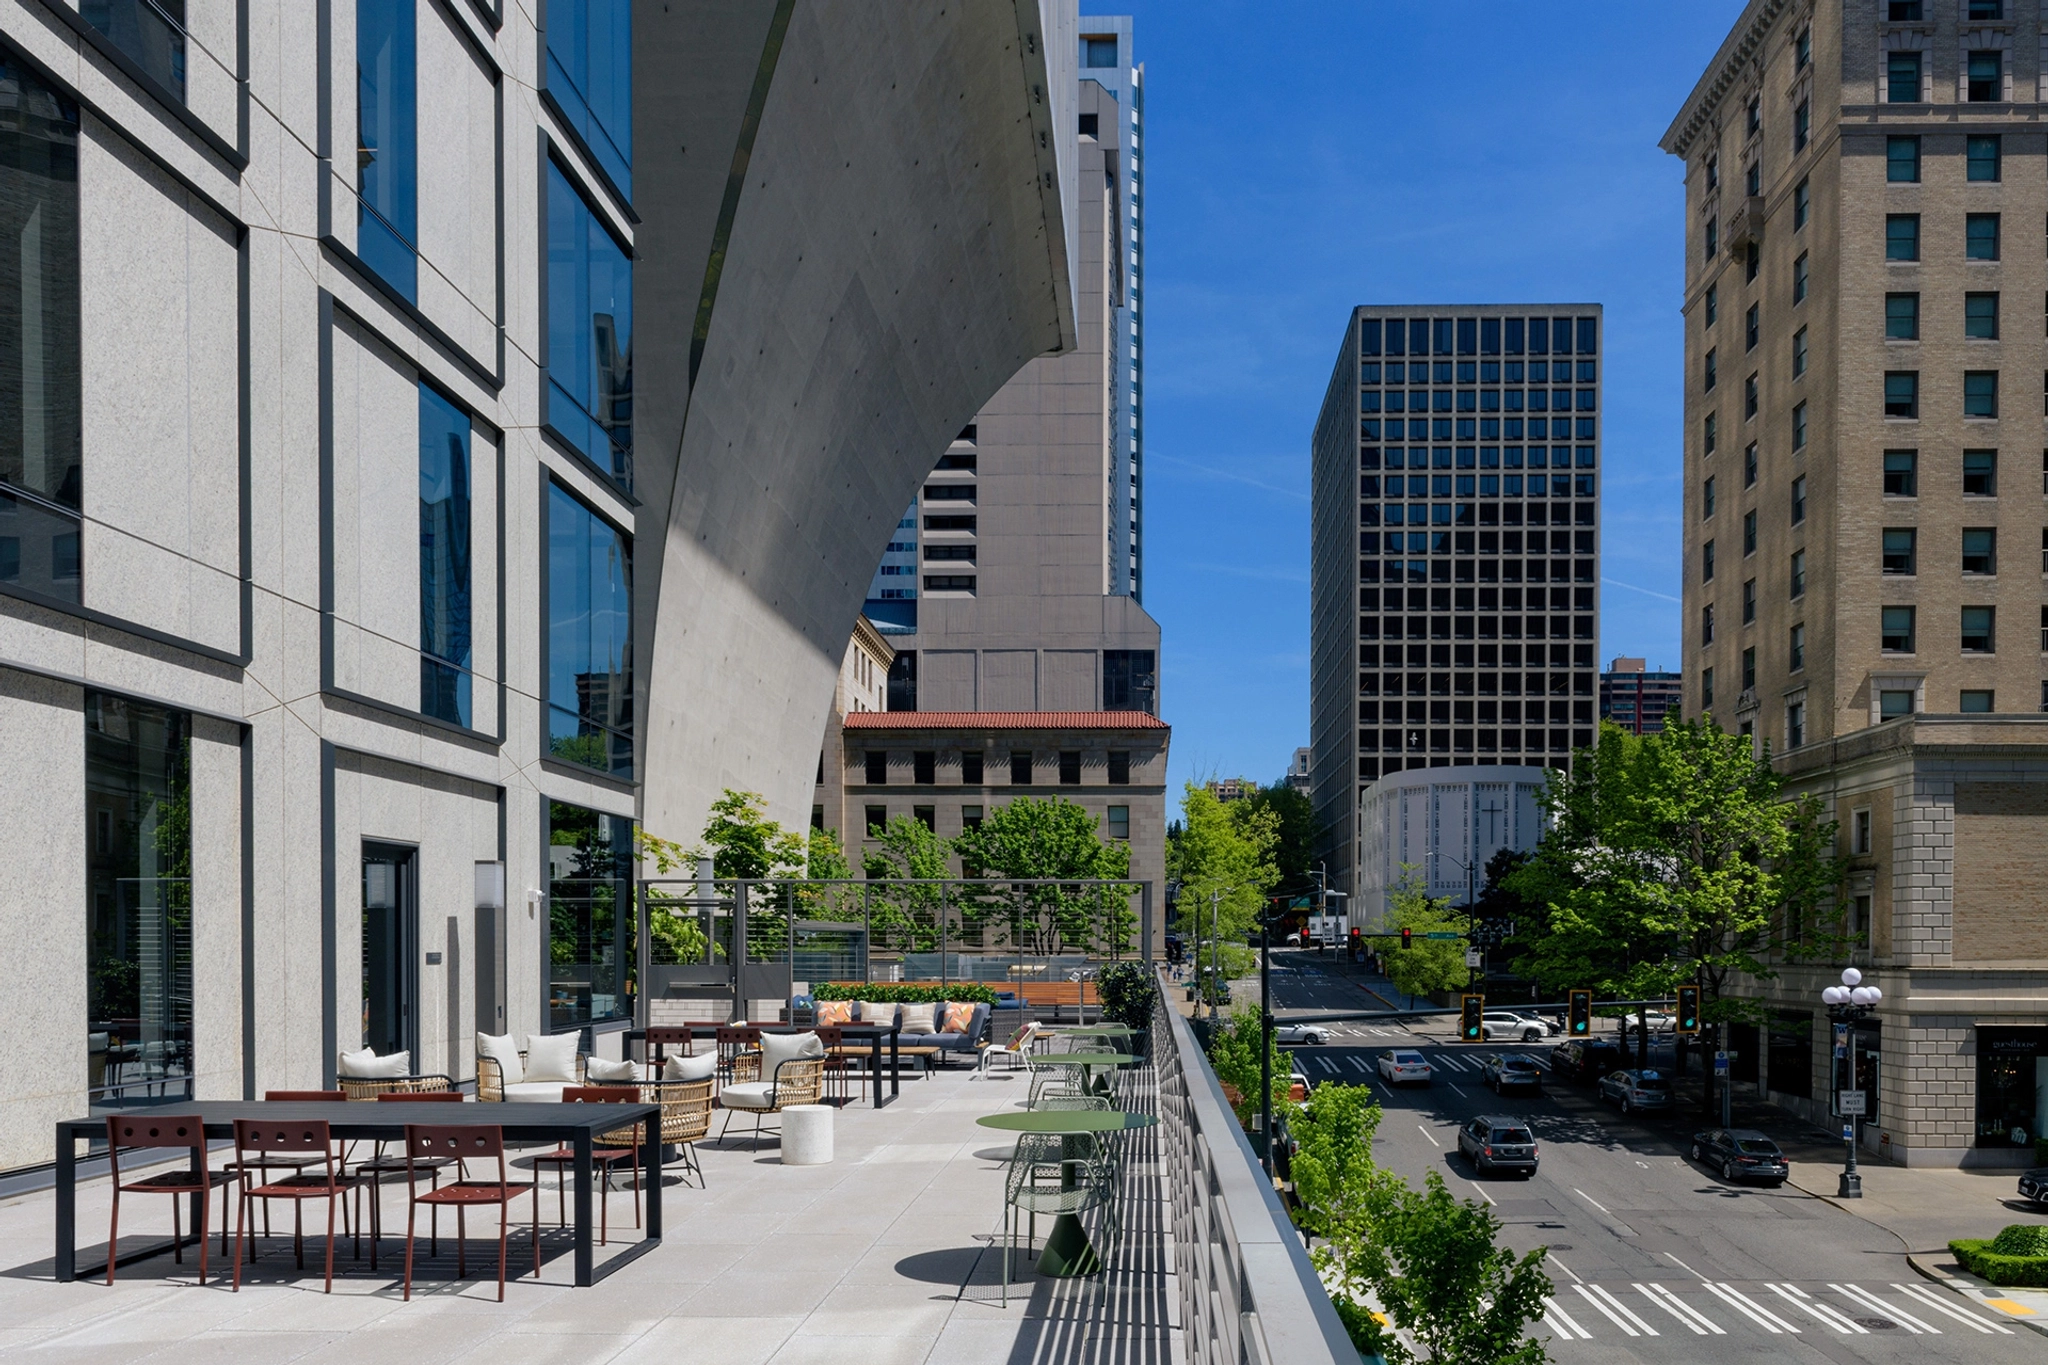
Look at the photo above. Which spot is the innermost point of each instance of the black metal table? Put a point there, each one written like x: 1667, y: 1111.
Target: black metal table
x: 875, y: 1034
x: 577, y: 1126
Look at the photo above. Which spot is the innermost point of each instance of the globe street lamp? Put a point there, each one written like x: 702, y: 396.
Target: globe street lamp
x: 1848, y: 1003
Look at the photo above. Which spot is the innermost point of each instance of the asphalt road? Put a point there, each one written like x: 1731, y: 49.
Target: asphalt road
x: 1651, y: 1256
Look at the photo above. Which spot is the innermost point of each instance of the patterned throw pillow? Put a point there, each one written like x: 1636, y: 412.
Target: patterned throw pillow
x: 834, y: 1012
x: 958, y: 1017
x: 918, y: 1018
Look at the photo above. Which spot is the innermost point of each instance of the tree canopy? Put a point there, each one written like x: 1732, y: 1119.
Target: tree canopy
x: 1427, y: 964
x: 1226, y: 849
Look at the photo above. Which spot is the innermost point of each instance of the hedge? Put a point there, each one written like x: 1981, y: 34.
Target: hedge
x: 2017, y: 1256
x: 904, y: 992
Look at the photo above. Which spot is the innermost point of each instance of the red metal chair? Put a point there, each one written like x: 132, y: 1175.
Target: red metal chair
x: 157, y: 1131
x: 264, y: 1136
x: 370, y: 1174
x: 424, y: 1142
x: 602, y: 1159
x: 294, y: 1163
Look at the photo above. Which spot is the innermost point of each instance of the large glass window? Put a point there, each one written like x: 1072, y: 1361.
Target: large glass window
x: 590, y: 76
x: 2012, y: 1086
x: 590, y: 916
x: 39, y: 376
x: 590, y: 637
x: 1129, y: 680
x: 138, y: 797
x: 444, y: 560
x: 150, y: 32
x: 387, y: 142
x: 590, y: 333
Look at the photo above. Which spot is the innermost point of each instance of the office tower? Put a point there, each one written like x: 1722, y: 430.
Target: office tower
x: 1861, y: 524
x: 1010, y: 588
x: 1637, y: 699
x: 1454, y: 578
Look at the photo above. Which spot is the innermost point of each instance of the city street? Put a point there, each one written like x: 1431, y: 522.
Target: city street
x: 1652, y: 1256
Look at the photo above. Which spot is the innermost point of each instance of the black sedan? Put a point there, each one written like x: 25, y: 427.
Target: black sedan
x: 1741, y: 1154
x: 2034, y: 1186
x: 1513, y: 1071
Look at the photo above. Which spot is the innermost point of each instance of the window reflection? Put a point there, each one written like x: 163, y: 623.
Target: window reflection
x: 590, y: 333
x: 590, y: 915
x: 590, y: 638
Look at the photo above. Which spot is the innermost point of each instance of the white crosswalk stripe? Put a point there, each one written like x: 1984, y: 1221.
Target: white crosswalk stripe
x: 1755, y: 1312
x: 1814, y: 1308
x: 1325, y: 1064
x: 1701, y: 1324
x: 1615, y: 1314
x: 1439, y: 1059
x: 1562, y: 1322
x: 1359, y: 1064
x: 1933, y: 1298
x: 1859, y: 1295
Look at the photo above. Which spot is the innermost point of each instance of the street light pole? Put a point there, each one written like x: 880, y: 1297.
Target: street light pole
x: 1266, y: 1040
x: 1847, y: 1003
x: 1215, y: 949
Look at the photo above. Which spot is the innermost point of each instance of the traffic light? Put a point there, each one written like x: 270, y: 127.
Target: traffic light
x: 1405, y: 936
x: 1471, y: 1026
x: 1580, y: 1014
x: 1688, y: 1009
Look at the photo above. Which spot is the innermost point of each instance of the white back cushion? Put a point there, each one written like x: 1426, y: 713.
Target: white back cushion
x: 599, y: 1071
x: 367, y: 1064
x: 777, y: 1048
x: 697, y: 1068
x: 501, y: 1048
x: 873, y: 1013
x: 919, y: 1019
x: 551, y: 1057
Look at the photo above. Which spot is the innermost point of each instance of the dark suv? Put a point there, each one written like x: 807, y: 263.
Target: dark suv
x: 1493, y: 1142
x: 1583, y: 1059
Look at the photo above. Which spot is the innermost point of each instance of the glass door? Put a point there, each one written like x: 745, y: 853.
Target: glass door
x: 390, y: 933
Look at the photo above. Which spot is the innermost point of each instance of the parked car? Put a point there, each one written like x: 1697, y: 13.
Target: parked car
x: 1634, y: 1090
x: 1294, y: 939
x: 2034, y: 1186
x: 1310, y: 1035
x: 1496, y: 1143
x: 1404, y: 1065
x: 1582, y: 1059
x: 1741, y: 1154
x: 1500, y: 1024
x: 1512, y: 1071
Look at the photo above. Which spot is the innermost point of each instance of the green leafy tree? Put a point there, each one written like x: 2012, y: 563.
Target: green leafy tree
x: 1426, y: 965
x: 1234, y: 1053
x: 1294, y: 835
x: 1335, y: 1180
x: 906, y: 917
x: 1223, y: 852
x: 1054, y: 840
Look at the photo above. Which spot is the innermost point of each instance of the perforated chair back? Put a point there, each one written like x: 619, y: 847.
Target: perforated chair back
x: 279, y: 1135
x: 466, y: 1142
x: 154, y: 1130
x: 601, y: 1094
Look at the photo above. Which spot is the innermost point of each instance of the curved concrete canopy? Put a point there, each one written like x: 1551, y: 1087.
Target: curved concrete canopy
x: 857, y: 209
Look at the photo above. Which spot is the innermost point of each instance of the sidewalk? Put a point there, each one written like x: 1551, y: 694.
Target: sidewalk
x: 2027, y: 1307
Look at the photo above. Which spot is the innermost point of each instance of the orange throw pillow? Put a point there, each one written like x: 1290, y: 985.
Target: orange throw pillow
x: 835, y: 1012
x: 958, y: 1017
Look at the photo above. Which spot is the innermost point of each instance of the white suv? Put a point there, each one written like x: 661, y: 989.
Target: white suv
x: 1500, y: 1024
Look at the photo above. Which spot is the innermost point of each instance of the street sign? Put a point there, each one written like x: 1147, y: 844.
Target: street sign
x: 1471, y: 957
x: 1849, y: 1103
x: 1440, y: 934
x: 1720, y: 1063
x: 1848, y: 1133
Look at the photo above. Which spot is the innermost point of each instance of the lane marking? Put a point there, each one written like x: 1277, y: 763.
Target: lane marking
x: 1552, y: 1260
x: 1813, y: 1308
x: 1871, y: 1301
x: 1459, y: 1093
x: 1605, y: 1312
x: 1755, y: 1312
x: 1359, y: 1063
x: 1665, y: 1299
x: 1928, y: 1296
x: 1591, y: 1200
x: 1686, y: 1268
x: 1432, y: 1141
x: 1324, y: 1062
x: 1623, y: 1309
x: 1562, y: 1322
x: 1444, y: 1060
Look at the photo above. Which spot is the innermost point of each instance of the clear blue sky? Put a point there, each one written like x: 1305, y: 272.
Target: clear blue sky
x: 1302, y: 158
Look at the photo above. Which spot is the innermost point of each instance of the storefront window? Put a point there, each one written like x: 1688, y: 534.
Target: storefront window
x: 2012, y: 1086
x: 1791, y: 1053
x: 590, y: 916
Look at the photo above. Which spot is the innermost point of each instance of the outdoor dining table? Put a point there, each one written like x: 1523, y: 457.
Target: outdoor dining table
x: 1087, y: 1061
x: 1067, y: 1249
x: 874, y: 1033
x: 577, y: 1126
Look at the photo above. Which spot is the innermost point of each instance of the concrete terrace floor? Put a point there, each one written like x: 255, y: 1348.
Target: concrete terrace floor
x: 888, y: 1256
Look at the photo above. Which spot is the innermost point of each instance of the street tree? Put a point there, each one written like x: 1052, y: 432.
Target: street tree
x: 1294, y: 835
x: 1223, y: 852
x: 1051, y: 841
x: 906, y: 917
x: 1426, y: 965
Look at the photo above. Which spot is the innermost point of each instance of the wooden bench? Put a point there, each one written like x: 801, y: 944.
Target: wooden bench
x: 1058, y: 995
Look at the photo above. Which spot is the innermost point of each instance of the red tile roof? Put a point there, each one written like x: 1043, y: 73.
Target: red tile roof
x: 1004, y: 720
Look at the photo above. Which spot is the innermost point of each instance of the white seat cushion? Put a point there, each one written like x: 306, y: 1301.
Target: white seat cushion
x: 747, y: 1095
x: 535, y: 1092
x: 502, y: 1049
x: 599, y: 1071
x: 700, y: 1067
x: 551, y: 1057
x: 777, y: 1048
x: 366, y: 1064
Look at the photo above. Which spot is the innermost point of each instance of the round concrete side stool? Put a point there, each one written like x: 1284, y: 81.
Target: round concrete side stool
x: 807, y: 1135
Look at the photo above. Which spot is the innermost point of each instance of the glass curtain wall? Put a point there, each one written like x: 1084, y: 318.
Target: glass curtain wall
x: 590, y: 333
x: 591, y: 940
x: 1129, y: 680
x: 590, y: 78
x: 39, y: 369
x: 138, y: 796
x: 590, y: 637
x: 444, y: 560
x: 387, y: 142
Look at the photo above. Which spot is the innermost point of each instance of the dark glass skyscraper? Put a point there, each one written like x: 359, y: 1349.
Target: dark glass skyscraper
x: 1456, y: 547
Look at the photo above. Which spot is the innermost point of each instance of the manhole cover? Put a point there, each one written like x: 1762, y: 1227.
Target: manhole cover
x: 1878, y: 1323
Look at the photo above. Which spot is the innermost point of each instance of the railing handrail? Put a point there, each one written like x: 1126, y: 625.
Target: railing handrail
x: 1284, y: 1313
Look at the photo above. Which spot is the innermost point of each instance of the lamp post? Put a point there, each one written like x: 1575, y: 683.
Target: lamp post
x: 1847, y: 1003
x: 1471, y: 908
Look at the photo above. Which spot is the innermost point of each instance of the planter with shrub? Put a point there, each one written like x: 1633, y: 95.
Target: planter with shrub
x: 2017, y: 1256
x: 905, y: 992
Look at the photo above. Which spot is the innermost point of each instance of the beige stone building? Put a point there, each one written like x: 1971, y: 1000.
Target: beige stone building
x: 1864, y: 186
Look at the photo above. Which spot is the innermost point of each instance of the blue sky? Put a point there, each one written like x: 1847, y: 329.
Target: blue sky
x: 1302, y: 158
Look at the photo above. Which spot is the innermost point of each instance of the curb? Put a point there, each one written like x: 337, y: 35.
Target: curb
x: 1974, y: 1289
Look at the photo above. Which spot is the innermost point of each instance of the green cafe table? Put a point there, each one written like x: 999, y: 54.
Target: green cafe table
x: 1067, y: 1250
x: 1087, y: 1061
